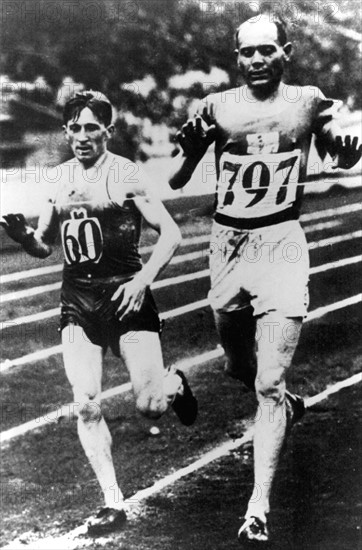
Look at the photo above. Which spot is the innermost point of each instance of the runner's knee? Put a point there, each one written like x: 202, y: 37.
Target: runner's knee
x: 151, y: 406
x: 89, y: 409
x: 270, y: 385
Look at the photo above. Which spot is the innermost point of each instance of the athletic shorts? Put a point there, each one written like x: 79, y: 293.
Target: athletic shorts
x: 266, y: 268
x: 87, y: 303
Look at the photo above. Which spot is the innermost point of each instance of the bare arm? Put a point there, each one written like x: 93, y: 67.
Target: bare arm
x: 194, y: 138
x: 159, y: 219
x: 169, y: 239
x: 35, y: 242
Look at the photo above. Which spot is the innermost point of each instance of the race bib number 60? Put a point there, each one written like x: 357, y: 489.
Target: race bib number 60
x: 82, y: 240
x: 257, y: 185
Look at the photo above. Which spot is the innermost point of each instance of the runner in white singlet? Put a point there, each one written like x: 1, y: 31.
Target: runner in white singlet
x: 258, y: 254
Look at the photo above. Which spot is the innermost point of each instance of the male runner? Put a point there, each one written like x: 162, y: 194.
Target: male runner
x: 98, y: 204
x: 259, y: 256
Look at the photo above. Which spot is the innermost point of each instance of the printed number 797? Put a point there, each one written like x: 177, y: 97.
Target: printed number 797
x: 264, y: 180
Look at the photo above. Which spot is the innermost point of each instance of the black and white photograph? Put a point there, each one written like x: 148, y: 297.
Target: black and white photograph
x: 180, y: 244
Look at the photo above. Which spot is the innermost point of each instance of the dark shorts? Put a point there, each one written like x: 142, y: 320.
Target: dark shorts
x: 88, y: 304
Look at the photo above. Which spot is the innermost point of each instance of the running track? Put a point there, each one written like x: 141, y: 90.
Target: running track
x: 319, y: 239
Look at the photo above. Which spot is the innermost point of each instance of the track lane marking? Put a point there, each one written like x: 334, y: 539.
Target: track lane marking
x: 32, y: 318
x: 335, y: 240
x: 335, y: 265
x: 69, y: 542
x: 54, y: 350
x: 30, y: 357
x: 169, y: 282
x: 29, y: 292
x: 43, y: 354
x: 39, y: 271
x: 304, y: 218
x: 313, y: 245
x: 184, y: 364
x: 321, y: 311
x: 26, y: 319
x: 67, y: 410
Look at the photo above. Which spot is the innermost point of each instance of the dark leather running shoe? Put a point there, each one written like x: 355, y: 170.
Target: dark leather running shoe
x: 295, y: 407
x: 105, y: 521
x: 185, y: 404
x: 253, y: 530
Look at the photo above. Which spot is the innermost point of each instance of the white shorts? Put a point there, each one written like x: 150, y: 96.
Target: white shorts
x: 266, y: 268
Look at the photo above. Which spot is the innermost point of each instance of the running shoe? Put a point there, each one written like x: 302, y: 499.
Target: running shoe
x: 185, y: 404
x: 295, y: 407
x: 253, y: 530
x: 105, y: 521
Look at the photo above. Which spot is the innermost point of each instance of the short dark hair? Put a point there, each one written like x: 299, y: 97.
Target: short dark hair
x: 281, y: 31
x: 97, y: 102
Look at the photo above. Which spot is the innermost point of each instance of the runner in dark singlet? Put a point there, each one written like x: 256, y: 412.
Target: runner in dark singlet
x: 98, y: 202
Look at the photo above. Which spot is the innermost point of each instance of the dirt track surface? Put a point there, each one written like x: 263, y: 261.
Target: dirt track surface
x: 317, y: 494
x: 48, y: 487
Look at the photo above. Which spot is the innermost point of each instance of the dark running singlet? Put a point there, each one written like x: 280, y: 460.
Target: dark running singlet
x: 100, y: 237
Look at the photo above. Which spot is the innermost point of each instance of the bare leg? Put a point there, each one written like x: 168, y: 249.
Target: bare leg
x: 83, y: 366
x: 154, y: 386
x: 237, y: 334
x: 278, y: 338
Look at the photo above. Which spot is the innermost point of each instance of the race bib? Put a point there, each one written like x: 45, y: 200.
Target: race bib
x: 82, y: 240
x: 251, y: 186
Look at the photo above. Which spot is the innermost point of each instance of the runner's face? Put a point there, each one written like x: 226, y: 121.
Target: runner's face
x: 87, y: 137
x: 260, y: 57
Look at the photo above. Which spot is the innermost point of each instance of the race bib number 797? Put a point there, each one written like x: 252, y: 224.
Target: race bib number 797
x: 257, y: 185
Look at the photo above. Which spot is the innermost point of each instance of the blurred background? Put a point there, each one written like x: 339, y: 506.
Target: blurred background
x: 153, y: 59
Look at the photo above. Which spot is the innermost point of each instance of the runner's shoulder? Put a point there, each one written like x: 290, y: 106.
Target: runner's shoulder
x: 320, y: 105
x: 126, y: 179
x: 231, y: 95
x: 213, y: 104
x: 313, y: 96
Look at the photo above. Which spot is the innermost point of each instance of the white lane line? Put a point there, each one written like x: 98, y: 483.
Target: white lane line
x: 334, y: 388
x: 329, y: 212
x: 176, y: 260
x: 28, y: 292
x: 304, y: 218
x: 39, y: 271
x: 68, y: 410
x: 321, y: 226
x: 68, y: 542
x: 30, y: 358
x: 320, y: 311
x: 335, y: 265
x: 36, y: 272
x: 329, y: 241
x: 33, y: 318
x: 26, y: 319
x: 34, y: 291
x: 225, y: 448
x: 164, y: 283
x: 184, y: 364
x: 185, y: 309
x: 43, y: 354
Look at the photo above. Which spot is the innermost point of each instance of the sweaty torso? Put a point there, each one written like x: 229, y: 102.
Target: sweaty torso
x: 100, y: 236
x: 262, y: 148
